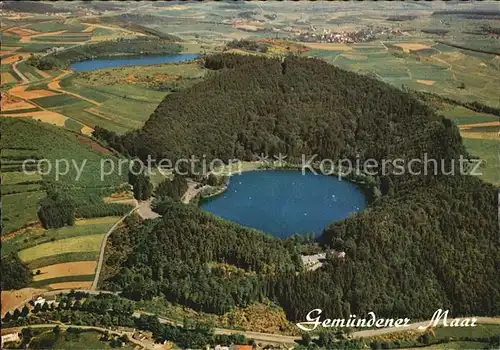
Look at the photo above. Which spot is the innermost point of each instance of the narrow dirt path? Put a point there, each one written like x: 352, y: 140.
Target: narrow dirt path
x: 103, y: 249
x: 100, y: 329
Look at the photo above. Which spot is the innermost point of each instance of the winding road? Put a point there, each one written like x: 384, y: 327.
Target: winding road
x: 64, y: 326
x: 257, y: 336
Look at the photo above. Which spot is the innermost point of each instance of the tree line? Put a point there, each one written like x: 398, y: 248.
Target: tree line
x: 143, y: 46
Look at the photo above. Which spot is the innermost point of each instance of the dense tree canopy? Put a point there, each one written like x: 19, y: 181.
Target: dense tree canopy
x: 14, y: 274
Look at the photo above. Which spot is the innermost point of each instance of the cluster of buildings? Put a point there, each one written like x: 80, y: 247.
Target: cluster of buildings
x: 362, y: 35
x: 54, y: 49
x: 314, y: 262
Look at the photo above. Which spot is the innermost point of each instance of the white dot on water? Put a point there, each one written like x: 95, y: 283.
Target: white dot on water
x: 249, y: 197
x: 305, y: 213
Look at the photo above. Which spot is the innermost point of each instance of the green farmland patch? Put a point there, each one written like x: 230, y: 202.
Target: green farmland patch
x: 103, y: 32
x: 19, y: 210
x: 91, y: 227
x: 63, y: 258
x: 51, y: 26
x: 89, y: 93
x: 92, y: 120
x: 27, y: 69
x: 26, y: 138
x: 12, y: 178
x: 9, y: 39
x: 76, y: 278
x: 73, y: 125
x: 18, y: 111
x: 462, y: 115
x: 57, y: 101
x: 75, y: 341
x: 20, y: 188
x: 68, y: 245
x: 480, y: 331
x: 39, y: 47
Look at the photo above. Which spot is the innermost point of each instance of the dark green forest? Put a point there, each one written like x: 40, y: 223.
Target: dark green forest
x: 430, y: 241
x: 137, y: 265
x: 14, y: 274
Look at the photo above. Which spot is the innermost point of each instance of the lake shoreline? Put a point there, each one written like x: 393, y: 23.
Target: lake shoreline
x: 283, y: 202
x: 120, y: 60
x: 256, y: 166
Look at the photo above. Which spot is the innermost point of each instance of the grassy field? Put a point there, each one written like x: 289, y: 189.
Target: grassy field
x: 61, y: 256
x: 27, y: 138
x: 64, y: 38
x: 456, y: 345
x: 53, y: 26
x: 487, y: 151
x: 88, y: 243
x: 63, y: 279
x: 462, y: 115
x: 15, y: 177
x: 441, y: 73
x: 124, y: 97
x: 20, y: 209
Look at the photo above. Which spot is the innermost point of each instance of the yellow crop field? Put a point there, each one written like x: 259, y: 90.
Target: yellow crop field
x: 94, y: 221
x: 66, y: 269
x: 69, y: 245
x: 70, y: 285
x: 328, y: 46
x: 409, y: 46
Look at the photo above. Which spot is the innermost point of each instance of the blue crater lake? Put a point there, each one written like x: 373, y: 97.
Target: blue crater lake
x: 283, y: 203
x: 98, y: 63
